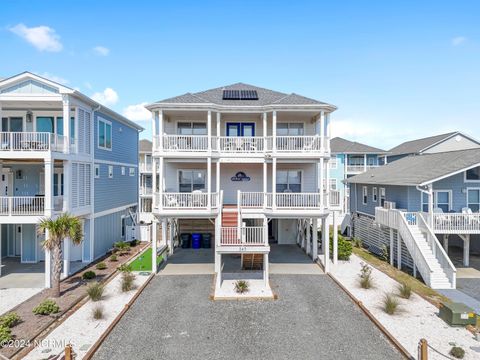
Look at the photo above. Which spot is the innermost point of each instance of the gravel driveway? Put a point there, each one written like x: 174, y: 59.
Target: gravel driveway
x: 312, y: 319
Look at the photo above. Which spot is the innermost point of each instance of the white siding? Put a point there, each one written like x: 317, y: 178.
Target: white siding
x: 458, y: 142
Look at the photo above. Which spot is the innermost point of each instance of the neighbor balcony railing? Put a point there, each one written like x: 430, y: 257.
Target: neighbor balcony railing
x: 359, y: 168
x: 34, y: 141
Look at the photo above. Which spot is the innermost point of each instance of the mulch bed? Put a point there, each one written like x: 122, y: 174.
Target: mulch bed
x: 73, y: 290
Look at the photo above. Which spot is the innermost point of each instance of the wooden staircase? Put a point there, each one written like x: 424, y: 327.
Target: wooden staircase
x: 230, y: 216
x: 252, y: 262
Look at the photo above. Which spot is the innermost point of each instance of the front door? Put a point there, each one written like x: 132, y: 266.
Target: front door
x: 241, y: 129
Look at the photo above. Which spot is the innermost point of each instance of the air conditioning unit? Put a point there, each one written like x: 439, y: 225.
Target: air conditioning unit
x: 389, y: 205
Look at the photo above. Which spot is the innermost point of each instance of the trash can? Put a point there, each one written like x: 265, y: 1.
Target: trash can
x: 196, y: 241
x: 206, y: 241
x: 185, y: 240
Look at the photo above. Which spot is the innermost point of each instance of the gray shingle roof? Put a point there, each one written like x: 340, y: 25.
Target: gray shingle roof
x: 265, y: 97
x: 340, y: 146
x: 415, y: 146
x: 419, y: 169
x: 145, y: 146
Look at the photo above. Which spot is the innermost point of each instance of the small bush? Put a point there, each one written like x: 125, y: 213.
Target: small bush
x: 241, y: 286
x: 122, y: 247
x: 344, y: 247
x: 95, y: 291
x: 390, y: 304
x: 101, y: 266
x: 457, y: 352
x: 127, y: 281
x: 134, y: 243
x: 404, y: 291
x: 125, y: 268
x: 46, y: 307
x: 97, y: 312
x: 89, y: 275
x: 365, y: 276
x: 113, y: 257
x: 5, y: 335
x: 10, y: 320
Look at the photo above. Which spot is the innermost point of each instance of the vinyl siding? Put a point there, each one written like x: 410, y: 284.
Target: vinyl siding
x: 86, y: 241
x: 107, y: 231
x: 397, y: 194
x: 458, y: 142
x: 29, y: 242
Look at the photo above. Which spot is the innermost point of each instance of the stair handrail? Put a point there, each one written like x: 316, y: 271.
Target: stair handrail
x: 418, y: 257
x: 438, y: 251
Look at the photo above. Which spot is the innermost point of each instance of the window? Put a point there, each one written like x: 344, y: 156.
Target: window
x: 123, y: 170
x: 131, y: 171
x: 190, y: 180
x: 289, y: 181
x: 473, y: 174
x: 333, y: 184
x: 441, y: 199
x: 110, y: 171
x: 97, y: 171
x: 124, y: 225
x: 45, y: 124
x: 333, y: 162
x: 60, y: 126
x: 473, y: 199
x: 365, y: 195
x: 104, y: 134
x: 192, y: 128
x: 374, y: 194
x: 290, y: 129
x: 382, y: 197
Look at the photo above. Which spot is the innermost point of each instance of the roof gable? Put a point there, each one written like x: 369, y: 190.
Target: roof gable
x: 30, y: 87
x: 417, y: 145
x: 340, y: 146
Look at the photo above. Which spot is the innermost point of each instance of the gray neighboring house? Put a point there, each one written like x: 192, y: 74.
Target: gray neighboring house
x: 438, y: 143
x: 407, y: 204
x: 145, y: 193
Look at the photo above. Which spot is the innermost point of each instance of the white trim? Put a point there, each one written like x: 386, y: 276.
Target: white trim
x: 188, y: 121
x: 130, y: 172
x: 335, y: 162
x: 98, y: 161
x: 123, y: 171
x: 301, y: 178
x: 364, y: 195
x: 204, y: 171
x: 435, y: 198
x: 375, y: 194
x: 106, y: 122
x: 110, y: 171
x: 465, y: 176
x: 114, y: 210
x: 466, y: 195
x: 335, y: 188
x: 384, y: 196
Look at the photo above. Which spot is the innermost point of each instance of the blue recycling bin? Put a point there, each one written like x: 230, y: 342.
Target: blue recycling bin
x: 196, y: 241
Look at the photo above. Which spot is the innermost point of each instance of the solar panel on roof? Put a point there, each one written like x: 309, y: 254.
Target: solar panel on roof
x: 240, y: 95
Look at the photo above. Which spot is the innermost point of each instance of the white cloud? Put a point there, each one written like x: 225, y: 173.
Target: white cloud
x: 458, y: 40
x: 57, y: 79
x: 43, y: 38
x: 106, y: 97
x: 101, y: 50
x: 137, y: 112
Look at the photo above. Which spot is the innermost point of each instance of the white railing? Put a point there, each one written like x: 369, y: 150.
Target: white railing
x: 145, y: 191
x: 248, y: 236
x: 334, y: 197
x: 387, y: 217
x: 300, y: 144
x: 282, y: 200
x: 241, y: 144
x: 189, y: 143
x: 360, y: 168
x: 22, y: 205
x: 456, y: 223
x: 188, y: 200
x: 145, y: 167
x: 438, y: 251
x: 253, y: 199
x: 33, y: 141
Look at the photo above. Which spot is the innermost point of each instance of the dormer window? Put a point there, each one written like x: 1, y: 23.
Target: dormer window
x: 240, y: 95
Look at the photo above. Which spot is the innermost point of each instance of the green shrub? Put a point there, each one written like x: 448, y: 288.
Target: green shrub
x: 10, y: 320
x: 127, y: 281
x: 101, y: 266
x: 89, y: 275
x: 365, y: 276
x: 46, y: 307
x: 97, y: 312
x: 5, y: 335
x: 457, y: 352
x: 95, y: 291
x: 113, y: 257
x: 356, y: 242
x: 404, y: 291
x: 125, y: 268
x: 122, y: 247
x: 241, y: 286
x: 390, y: 304
x: 344, y: 247
x: 134, y: 243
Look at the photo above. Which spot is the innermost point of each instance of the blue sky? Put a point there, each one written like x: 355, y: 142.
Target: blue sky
x: 396, y: 71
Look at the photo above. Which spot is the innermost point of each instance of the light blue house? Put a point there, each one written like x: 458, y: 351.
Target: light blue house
x: 407, y: 205
x: 61, y: 151
x: 349, y: 158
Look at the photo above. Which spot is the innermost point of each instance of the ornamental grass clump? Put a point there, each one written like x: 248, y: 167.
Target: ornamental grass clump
x: 390, y: 304
x: 97, y: 312
x: 95, y: 291
x: 128, y: 278
x: 404, y: 291
x: 241, y: 286
x: 365, y: 276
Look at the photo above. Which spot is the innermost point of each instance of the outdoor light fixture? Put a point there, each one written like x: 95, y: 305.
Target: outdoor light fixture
x: 29, y: 116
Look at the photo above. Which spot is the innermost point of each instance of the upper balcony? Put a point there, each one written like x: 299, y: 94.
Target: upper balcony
x: 24, y: 207
x: 360, y: 168
x: 12, y: 143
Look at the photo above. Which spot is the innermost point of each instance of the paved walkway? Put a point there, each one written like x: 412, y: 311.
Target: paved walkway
x: 312, y: 319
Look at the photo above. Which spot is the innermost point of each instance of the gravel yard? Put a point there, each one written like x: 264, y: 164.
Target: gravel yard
x: 175, y: 319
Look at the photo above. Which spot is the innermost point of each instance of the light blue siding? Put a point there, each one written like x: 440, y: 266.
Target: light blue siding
x: 397, y: 194
x: 86, y: 240
x: 107, y: 231
x: 28, y: 243
x: 29, y: 184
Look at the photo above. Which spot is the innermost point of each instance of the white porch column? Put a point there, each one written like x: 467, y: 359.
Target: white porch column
x: 364, y: 162
x: 154, y: 130
x: 209, y: 130
x: 265, y: 269
x: 48, y: 265
x: 327, y: 183
x: 154, y: 184
x: 160, y: 129
x: 274, y: 131
x: 218, y: 234
x: 335, y: 237
x: 315, y: 239
x: 67, y: 181
x: 209, y: 182
x: 391, y: 246
x: 264, y: 118
x: 274, y: 183
x: 66, y: 123
x: 218, y: 130
x: 321, y: 185
x: 322, y: 131
x: 430, y: 205
x: 265, y: 183
x: 161, y: 175
x: 322, y: 245
x: 154, y: 246
x: 66, y: 257
x: 48, y: 173
x: 466, y: 250
x: 164, y: 236
x: 399, y: 252
x: 308, y: 243
x: 326, y: 245
x: 217, y: 180
x: 219, y: 273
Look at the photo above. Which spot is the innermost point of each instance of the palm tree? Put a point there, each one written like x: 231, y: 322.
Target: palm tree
x: 58, y: 229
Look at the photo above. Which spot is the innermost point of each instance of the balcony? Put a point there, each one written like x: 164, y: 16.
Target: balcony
x: 280, y: 201
x: 187, y: 201
x: 359, y: 168
x: 27, y: 205
x: 244, y: 236
x: 33, y: 142
x: 240, y: 144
